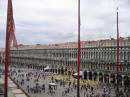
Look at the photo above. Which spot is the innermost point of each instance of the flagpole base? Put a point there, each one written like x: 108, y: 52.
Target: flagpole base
x: 5, y: 94
x: 78, y: 89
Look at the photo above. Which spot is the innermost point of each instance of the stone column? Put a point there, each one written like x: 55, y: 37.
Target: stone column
x: 122, y: 80
x: 109, y: 78
x: 93, y: 76
x: 98, y: 76
x: 103, y: 77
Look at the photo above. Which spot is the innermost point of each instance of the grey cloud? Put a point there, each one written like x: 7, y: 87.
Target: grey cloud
x: 48, y: 22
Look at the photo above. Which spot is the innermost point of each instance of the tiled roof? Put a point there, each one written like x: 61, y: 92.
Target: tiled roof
x: 67, y: 44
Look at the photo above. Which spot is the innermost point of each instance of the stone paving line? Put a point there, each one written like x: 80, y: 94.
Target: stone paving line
x: 59, y: 90
x: 11, y: 89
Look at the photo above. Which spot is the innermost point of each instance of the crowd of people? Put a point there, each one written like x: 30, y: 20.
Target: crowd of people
x: 36, y: 84
x: 33, y: 84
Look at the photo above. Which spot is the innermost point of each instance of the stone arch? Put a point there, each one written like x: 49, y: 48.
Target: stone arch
x: 126, y: 81
x: 120, y: 79
x: 62, y: 70
x: 85, y: 75
x: 65, y: 71
x: 95, y: 76
x: 101, y: 77
x: 40, y: 67
x: 106, y: 78
x: 55, y: 70
x: 112, y: 78
x: 58, y: 71
x: 51, y: 70
x: 90, y: 75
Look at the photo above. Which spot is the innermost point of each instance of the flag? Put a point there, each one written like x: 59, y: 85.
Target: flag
x: 11, y: 25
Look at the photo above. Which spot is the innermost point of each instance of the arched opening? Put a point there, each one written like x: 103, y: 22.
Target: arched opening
x: 95, y: 76
x: 90, y: 75
x: 101, y: 77
x: 112, y: 78
x: 106, y: 78
x: 85, y: 75
x: 55, y: 70
x: 126, y: 81
x: 120, y: 79
x: 51, y: 70
x: 65, y: 72
x: 58, y: 71
x: 69, y: 73
x: 42, y: 67
x: 62, y: 71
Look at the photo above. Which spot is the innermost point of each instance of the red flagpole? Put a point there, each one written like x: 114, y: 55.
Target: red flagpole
x: 78, y: 79
x: 7, y: 48
x: 117, y: 72
x: 117, y: 46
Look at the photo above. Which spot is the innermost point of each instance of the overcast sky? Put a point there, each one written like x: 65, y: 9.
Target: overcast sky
x: 55, y: 21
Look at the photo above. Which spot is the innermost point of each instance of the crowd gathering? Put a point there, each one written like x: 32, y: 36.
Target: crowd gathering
x: 44, y: 84
x: 60, y: 87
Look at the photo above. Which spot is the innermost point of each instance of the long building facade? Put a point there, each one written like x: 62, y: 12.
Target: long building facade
x: 98, y: 60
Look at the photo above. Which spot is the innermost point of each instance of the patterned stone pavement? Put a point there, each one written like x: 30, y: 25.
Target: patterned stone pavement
x: 58, y: 92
